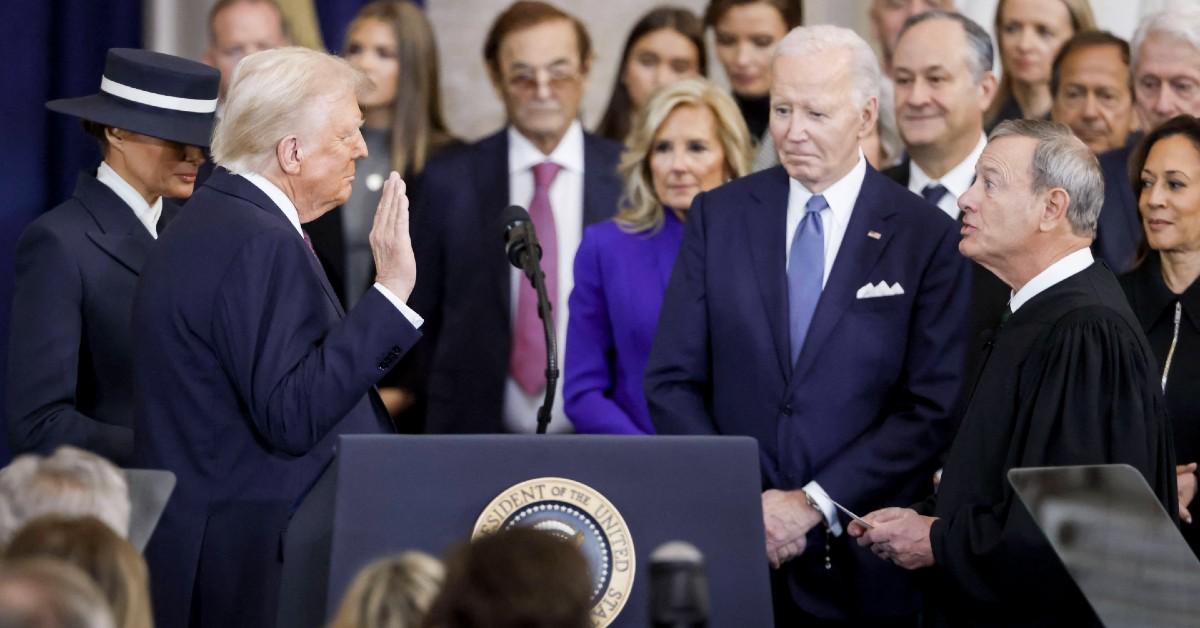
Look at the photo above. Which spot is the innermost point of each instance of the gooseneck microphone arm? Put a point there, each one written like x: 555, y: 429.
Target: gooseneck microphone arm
x: 523, y: 251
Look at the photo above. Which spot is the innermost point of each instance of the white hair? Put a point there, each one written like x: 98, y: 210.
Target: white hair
x: 72, y: 483
x: 1180, y: 23
x: 809, y: 41
x: 271, y: 95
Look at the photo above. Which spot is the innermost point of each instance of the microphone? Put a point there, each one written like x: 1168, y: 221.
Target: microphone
x: 678, y: 587
x: 520, y: 238
x: 522, y: 249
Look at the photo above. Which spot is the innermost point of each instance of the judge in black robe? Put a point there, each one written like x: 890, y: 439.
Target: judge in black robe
x: 1068, y: 379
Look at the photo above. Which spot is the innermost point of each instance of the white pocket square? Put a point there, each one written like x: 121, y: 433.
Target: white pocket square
x: 882, y: 289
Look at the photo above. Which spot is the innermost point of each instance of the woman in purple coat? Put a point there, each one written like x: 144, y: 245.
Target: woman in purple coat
x: 689, y: 138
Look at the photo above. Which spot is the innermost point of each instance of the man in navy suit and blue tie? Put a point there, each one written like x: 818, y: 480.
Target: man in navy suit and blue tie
x: 821, y: 308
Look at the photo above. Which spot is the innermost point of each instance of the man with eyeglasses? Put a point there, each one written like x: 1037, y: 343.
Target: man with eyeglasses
x: 483, y: 358
x: 1166, y: 83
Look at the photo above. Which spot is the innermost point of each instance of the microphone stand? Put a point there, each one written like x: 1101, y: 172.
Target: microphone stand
x: 533, y: 270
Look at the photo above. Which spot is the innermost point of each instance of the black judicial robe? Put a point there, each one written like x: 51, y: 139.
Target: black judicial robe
x: 1069, y: 379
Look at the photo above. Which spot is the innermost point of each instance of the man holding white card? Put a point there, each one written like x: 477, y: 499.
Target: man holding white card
x: 821, y: 308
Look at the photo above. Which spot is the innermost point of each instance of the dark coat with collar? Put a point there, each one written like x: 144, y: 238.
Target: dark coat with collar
x: 1119, y: 227
x: 246, y: 372
x: 69, y: 351
x: 463, y: 288
x: 868, y: 407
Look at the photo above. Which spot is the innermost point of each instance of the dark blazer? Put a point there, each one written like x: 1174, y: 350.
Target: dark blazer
x: 69, y: 348
x: 1119, y: 227
x: 868, y: 407
x: 246, y: 371
x: 620, y: 279
x: 463, y: 277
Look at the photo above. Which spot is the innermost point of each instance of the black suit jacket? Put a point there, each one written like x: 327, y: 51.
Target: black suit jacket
x: 989, y: 295
x: 1119, y: 228
x: 463, y: 276
x: 69, y: 349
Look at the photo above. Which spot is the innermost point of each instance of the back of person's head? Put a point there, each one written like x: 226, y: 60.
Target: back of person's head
x: 525, y: 14
x: 71, y: 482
x: 392, y: 592
x: 520, y: 578
x: 46, y: 593
x: 87, y: 543
x: 274, y: 94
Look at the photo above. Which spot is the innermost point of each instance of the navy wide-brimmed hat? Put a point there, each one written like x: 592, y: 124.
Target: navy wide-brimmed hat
x: 153, y: 94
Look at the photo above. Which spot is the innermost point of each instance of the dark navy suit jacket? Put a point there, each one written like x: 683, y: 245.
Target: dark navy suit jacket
x: 868, y: 407
x: 463, y: 288
x: 245, y: 372
x: 1119, y: 227
x: 69, y: 349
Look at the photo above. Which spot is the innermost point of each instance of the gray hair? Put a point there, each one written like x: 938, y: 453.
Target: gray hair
x: 47, y: 592
x: 1061, y: 160
x: 271, y: 96
x: 1179, y: 23
x: 980, y: 54
x: 806, y: 41
x: 72, y: 482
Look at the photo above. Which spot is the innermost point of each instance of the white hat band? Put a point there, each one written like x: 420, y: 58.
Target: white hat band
x: 175, y: 103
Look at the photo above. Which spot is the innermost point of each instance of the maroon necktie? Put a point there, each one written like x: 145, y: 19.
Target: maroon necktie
x: 527, y: 363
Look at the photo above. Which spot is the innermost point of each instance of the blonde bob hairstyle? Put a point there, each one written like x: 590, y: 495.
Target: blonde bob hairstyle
x: 641, y: 210
x: 273, y: 94
x: 392, y: 592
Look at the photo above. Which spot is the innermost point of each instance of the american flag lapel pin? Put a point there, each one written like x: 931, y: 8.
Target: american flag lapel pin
x: 874, y: 235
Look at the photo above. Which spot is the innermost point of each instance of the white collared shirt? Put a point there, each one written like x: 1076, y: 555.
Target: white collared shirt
x: 957, y: 181
x: 840, y: 196
x: 566, y: 201
x: 1064, y: 268
x: 146, y: 213
x: 288, y: 208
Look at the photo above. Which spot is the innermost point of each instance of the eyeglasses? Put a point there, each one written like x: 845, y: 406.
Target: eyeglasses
x: 528, y: 79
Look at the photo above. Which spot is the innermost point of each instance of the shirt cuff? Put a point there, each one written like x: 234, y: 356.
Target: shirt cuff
x: 408, y: 312
x: 818, y: 495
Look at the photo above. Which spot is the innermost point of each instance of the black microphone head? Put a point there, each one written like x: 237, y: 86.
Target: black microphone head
x: 519, y: 235
x: 678, y: 586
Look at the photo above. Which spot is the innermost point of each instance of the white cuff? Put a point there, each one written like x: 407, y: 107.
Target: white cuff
x: 408, y: 312
x: 818, y: 494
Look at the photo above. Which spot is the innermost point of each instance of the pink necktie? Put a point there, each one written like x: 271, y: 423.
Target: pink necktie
x: 527, y: 362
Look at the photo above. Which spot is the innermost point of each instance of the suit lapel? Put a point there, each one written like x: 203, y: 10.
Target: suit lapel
x: 766, y: 224
x: 856, y: 258
x: 120, y: 234
x: 492, y: 196
x: 234, y: 185
x: 601, y: 184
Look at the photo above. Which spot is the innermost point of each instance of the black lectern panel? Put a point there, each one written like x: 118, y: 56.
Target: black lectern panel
x: 386, y: 494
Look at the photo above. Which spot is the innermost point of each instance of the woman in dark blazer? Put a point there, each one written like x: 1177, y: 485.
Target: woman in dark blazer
x: 78, y: 264
x: 1163, y: 289
x: 689, y: 138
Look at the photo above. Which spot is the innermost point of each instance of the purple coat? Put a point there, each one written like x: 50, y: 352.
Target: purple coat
x: 620, y: 279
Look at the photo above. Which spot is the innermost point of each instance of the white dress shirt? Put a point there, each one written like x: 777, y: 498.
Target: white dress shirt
x: 956, y: 181
x: 146, y: 213
x: 288, y: 208
x: 1063, y: 269
x: 841, y: 197
x: 566, y: 201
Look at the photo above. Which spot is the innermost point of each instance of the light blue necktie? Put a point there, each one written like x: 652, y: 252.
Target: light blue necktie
x: 806, y: 267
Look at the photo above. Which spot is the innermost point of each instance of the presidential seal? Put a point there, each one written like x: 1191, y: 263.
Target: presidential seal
x: 576, y: 513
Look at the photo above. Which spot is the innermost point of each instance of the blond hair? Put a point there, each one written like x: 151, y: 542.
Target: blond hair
x: 71, y: 482
x: 392, y: 592
x: 641, y: 209
x: 271, y: 96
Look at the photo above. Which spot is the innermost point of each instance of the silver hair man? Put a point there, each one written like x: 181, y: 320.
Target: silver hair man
x: 1166, y: 66
x: 71, y: 482
x: 807, y: 41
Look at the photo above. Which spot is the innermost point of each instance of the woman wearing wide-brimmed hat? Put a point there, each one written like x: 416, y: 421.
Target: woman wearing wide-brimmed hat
x: 78, y: 264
